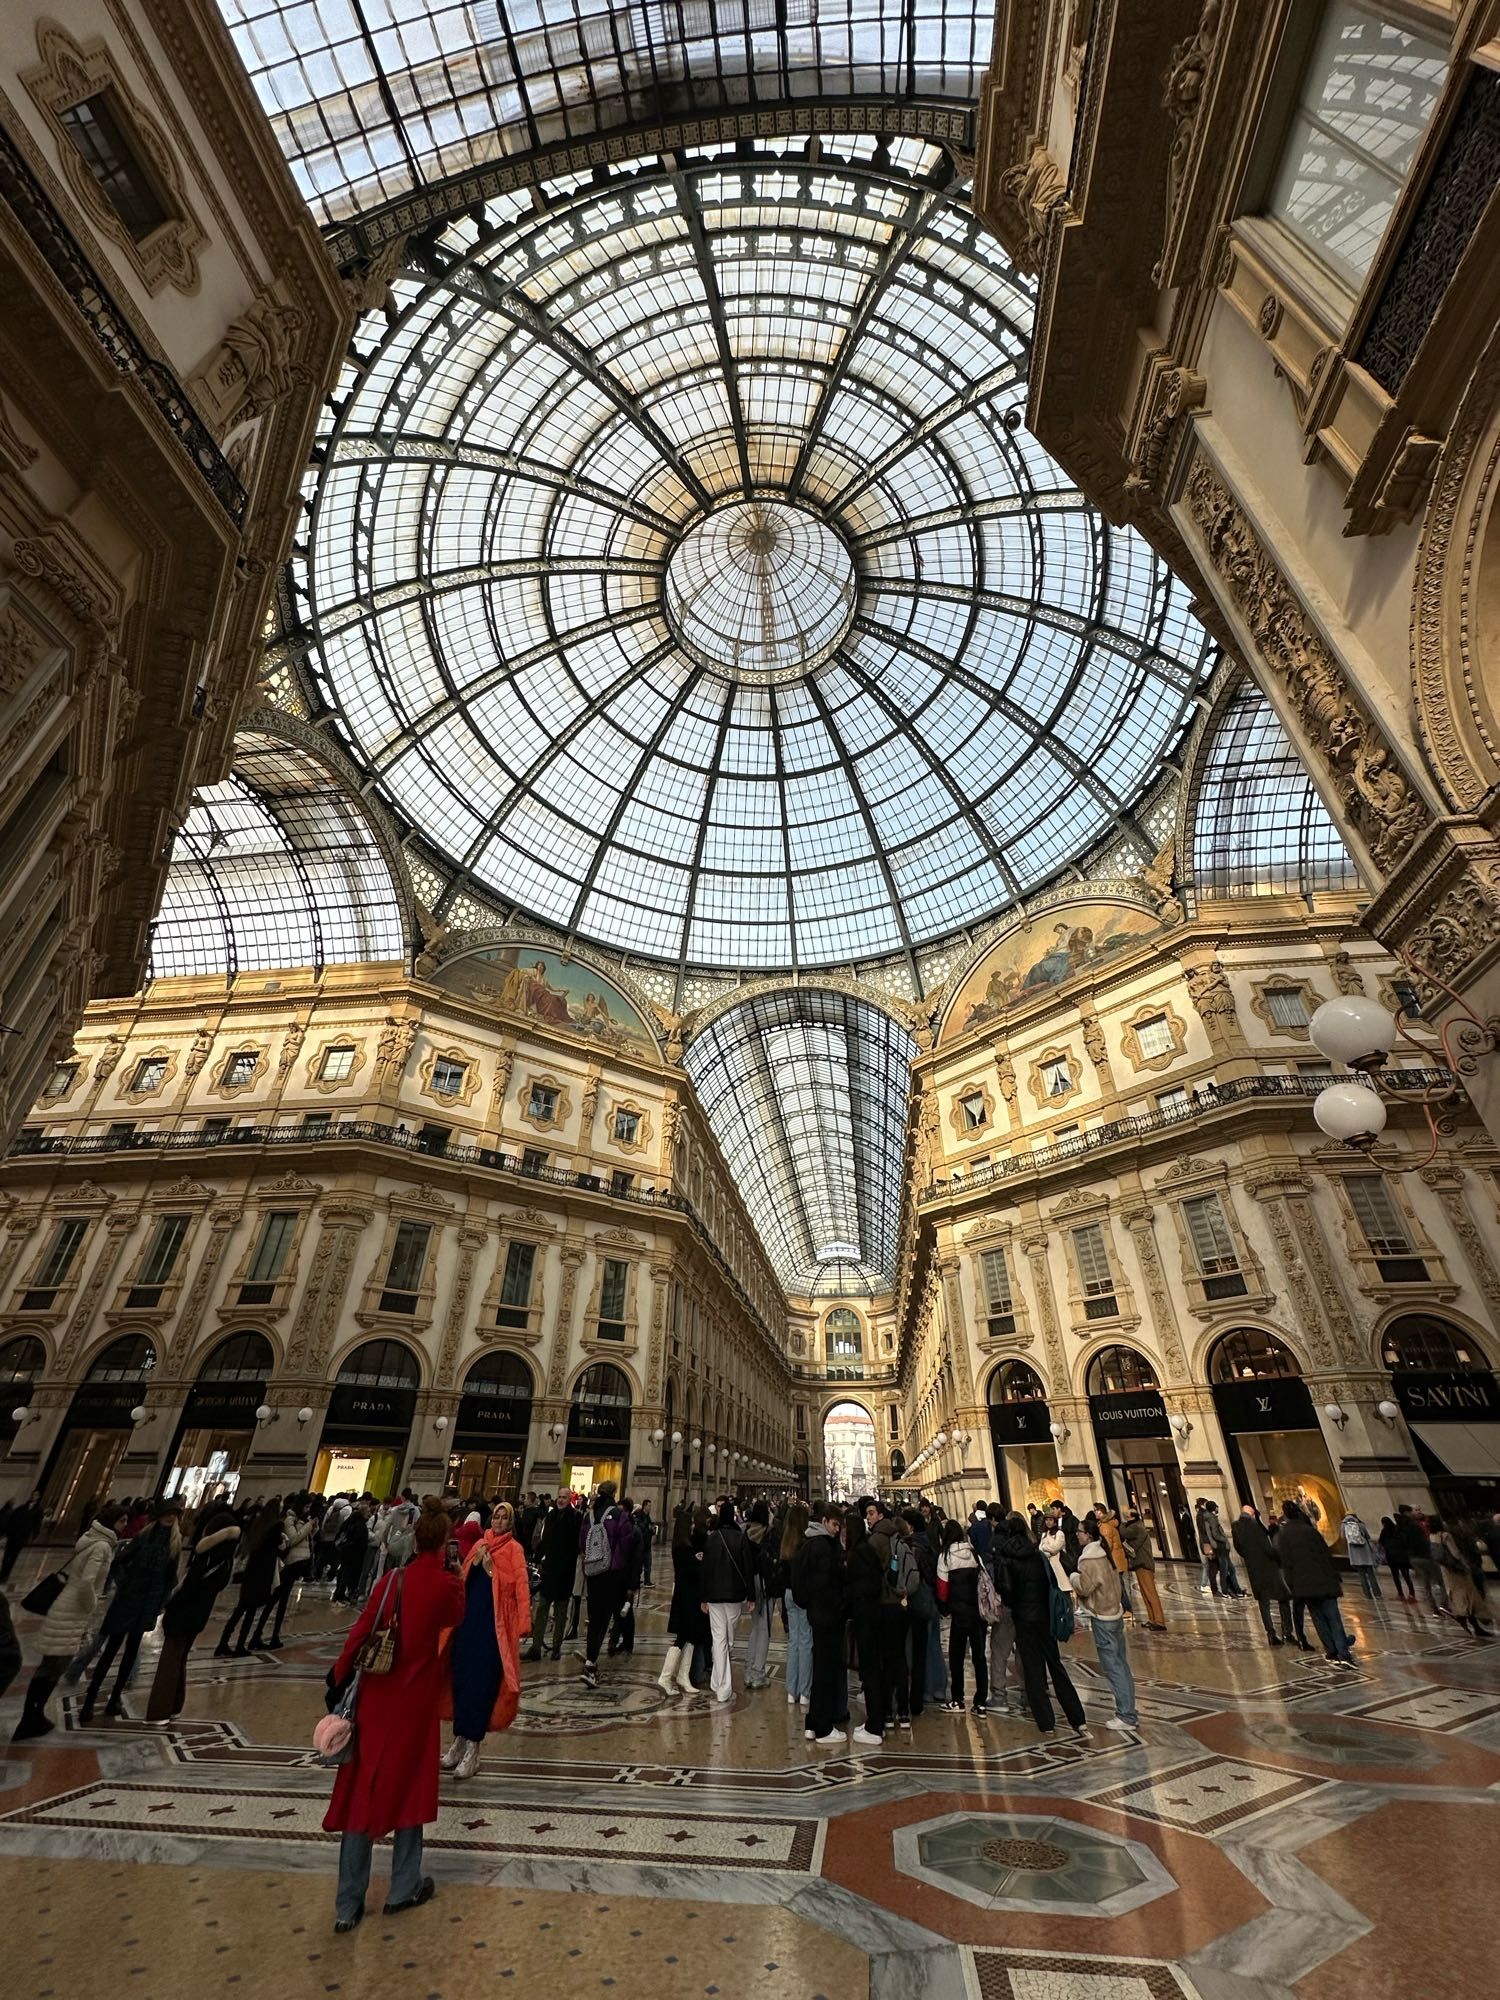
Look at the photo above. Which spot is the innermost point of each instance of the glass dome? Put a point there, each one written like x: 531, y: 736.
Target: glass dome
x: 681, y: 573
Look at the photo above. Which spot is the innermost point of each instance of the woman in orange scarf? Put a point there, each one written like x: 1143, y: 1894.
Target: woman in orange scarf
x: 485, y: 1648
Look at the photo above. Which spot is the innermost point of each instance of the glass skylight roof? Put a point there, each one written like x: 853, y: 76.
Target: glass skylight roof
x: 941, y: 680
x: 1262, y: 828
x: 806, y: 1091
x: 371, y: 99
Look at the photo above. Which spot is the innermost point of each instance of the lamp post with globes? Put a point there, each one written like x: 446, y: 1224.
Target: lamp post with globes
x: 1361, y: 1033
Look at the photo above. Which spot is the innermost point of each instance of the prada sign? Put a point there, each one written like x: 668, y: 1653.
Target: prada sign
x: 1139, y: 1414
x: 1276, y: 1403
x: 1447, y: 1395
x: 483, y: 1417
x: 1020, y: 1423
x: 362, y: 1407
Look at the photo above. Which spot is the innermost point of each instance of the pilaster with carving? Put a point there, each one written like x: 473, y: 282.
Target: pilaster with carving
x: 1447, y: 1183
x: 313, y: 1330
x: 472, y: 1238
x: 1275, y: 1193
x: 1035, y: 1248
x: 117, y: 1230
x: 573, y: 1255
x: 1141, y: 1222
x: 221, y: 1223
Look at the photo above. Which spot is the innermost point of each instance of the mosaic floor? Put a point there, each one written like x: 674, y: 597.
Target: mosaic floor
x: 1273, y: 1829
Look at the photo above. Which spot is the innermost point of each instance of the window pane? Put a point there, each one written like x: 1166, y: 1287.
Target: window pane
x: 515, y: 1286
x: 996, y: 1280
x: 408, y: 1255
x: 1213, y: 1245
x: 1154, y: 1036
x: 612, y: 1289
x: 1378, y: 1214
x: 60, y: 1257
x: 276, y: 1236
x: 1093, y: 1259
x: 164, y: 1247
x: 100, y: 135
x: 1288, y: 1010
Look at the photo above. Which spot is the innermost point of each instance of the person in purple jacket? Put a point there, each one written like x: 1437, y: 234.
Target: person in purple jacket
x: 606, y: 1537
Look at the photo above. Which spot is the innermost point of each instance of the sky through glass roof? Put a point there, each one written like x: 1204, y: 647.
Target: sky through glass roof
x: 681, y: 573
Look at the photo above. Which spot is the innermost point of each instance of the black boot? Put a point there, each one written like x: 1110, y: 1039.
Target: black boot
x: 34, y: 1719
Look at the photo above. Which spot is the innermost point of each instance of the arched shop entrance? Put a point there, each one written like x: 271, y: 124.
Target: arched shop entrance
x: 598, y: 1429
x: 96, y: 1431
x: 493, y: 1424
x: 850, y: 1465
x: 1443, y: 1382
x: 1021, y: 1434
x: 369, y: 1421
x: 1277, y: 1450
x: 217, y: 1427
x: 22, y: 1360
x: 1135, y: 1448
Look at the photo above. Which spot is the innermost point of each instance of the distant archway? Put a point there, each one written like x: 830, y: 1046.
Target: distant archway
x: 850, y: 1463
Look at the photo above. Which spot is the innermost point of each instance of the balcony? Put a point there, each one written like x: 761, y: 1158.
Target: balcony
x: 1396, y: 1082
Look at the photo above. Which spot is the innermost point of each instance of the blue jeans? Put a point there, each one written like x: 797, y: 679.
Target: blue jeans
x: 355, y: 1851
x: 1330, y: 1627
x: 1109, y: 1644
x: 937, y: 1666
x: 798, y: 1649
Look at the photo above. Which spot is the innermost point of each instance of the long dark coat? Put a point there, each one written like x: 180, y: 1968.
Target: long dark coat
x: 1258, y: 1553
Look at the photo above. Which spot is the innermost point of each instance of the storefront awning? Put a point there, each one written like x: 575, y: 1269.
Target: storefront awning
x: 1468, y: 1451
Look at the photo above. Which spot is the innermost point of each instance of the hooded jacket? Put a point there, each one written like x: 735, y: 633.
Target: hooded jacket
x: 958, y: 1583
x: 1021, y: 1574
x: 66, y: 1625
x: 1139, y: 1553
x: 1097, y: 1583
x: 728, y: 1567
x: 818, y: 1582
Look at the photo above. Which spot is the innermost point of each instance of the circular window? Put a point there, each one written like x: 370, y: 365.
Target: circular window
x: 760, y: 590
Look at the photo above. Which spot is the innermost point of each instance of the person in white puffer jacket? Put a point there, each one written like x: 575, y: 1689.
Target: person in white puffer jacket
x: 65, y: 1629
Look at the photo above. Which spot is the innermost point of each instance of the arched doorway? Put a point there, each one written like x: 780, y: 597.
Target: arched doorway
x: 850, y: 1464
x: 1277, y: 1450
x: 96, y: 1430
x: 369, y: 1421
x: 217, y: 1427
x: 1135, y: 1447
x: 598, y: 1429
x: 1021, y: 1435
x: 22, y: 1360
x: 493, y: 1424
x: 1442, y: 1379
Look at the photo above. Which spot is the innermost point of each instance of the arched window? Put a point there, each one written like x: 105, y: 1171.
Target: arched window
x: 243, y: 1357
x: 843, y: 1335
x: 1246, y: 1354
x: 501, y: 1377
x: 1422, y: 1340
x: 898, y: 1465
x: 383, y: 1363
x: 1119, y: 1371
x: 601, y: 1405
x: 22, y: 1359
x: 1014, y: 1382
x: 128, y: 1359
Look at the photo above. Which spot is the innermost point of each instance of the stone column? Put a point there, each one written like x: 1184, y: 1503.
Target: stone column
x: 428, y: 1447
x: 472, y: 1237
x: 221, y: 1222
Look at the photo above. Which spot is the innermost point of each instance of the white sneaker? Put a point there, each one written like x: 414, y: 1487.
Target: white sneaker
x: 468, y: 1764
x: 453, y: 1753
x: 1118, y: 1723
x: 834, y: 1736
x: 791, y: 1701
x: 863, y: 1735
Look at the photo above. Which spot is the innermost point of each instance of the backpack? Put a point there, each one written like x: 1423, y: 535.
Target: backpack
x: 990, y: 1606
x: 1059, y: 1609
x: 598, y: 1552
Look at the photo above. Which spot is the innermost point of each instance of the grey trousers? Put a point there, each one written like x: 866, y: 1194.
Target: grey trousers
x: 555, y: 1608
x: 355, y: 1852
x: 758, y: 1645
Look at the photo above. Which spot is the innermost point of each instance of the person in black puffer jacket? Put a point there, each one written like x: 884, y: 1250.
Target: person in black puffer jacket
x: 148, y: 1572
x: 1021, y: 1574
x: 819, y: 1586
x: 1313, y: 1579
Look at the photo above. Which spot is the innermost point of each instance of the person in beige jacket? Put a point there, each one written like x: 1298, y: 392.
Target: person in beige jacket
x: 66, y: 1625
x: 1098, y: 1590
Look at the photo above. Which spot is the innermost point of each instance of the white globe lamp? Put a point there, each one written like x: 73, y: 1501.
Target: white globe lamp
x: 1350, y: 1112
x: 1354, y: 1030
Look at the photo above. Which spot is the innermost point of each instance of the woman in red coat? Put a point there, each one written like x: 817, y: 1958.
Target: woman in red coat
x: 390, y: 1785
x: 485, y: 1683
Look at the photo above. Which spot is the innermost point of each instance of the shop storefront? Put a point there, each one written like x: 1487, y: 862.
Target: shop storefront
x: 491, y: 1429
x: 1451, y: 1402
x: 598, y: 1444
x: 1021, y: 1435
x: 1277, y: 1450
x: 22, y: 1360
x: 96, y: 1432
x: 1135, y: 1449
x: 368, y: 1426
x: 217, y: 1429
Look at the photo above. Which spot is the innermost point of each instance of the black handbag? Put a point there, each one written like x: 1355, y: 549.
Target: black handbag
x: 42, y: 1596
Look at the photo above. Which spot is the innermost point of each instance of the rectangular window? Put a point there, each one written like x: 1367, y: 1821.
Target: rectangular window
x: 337, y: 1065
x: 271, y: 1252
x: 103, y: 142
x: 1366, y: 98
x: 621, y: 1182
x: 66, y: 1238
x: 150, y: 1073
x: 161, y: 1256
x: 403, y: 1278
x: 1057, y: 1077
x: 999, y: 1300
x: 314, y: 1123
x: 62, y: 1078
x: 1385, y: 1230
x: 434, y: 1138
x: 974, y: 1109
x: 240, y: 1068
x: 627, y: 1127
x: 533, y: 1159
x: 801, y: 1420
x: 1154, y: 1035
x: 213, y: 1128
x: 612, y: 1299
x: 1213, y: 1247
x: 1094, y: 1272
x: 515, y: 1285
x: 1172, y: 1101
x: 542, y: 1103
x: 121, y: 1132
x: 1287, y: 1007
x: 448, y: 1076
x: 892, y: 1420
